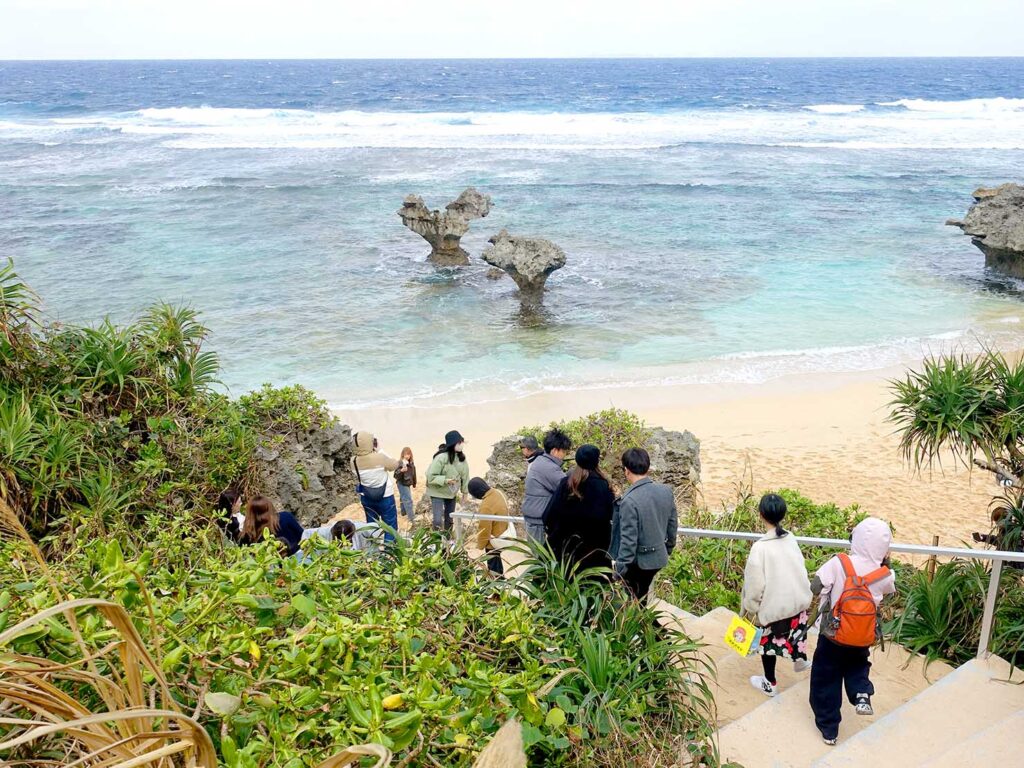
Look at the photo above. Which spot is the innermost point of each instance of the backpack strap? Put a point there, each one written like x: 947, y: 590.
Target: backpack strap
x: 876, y: 575
x: 847, y: 564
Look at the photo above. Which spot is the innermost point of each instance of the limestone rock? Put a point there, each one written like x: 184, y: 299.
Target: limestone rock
x: 995, y: 223
x: 307, y: 472
x: 507, y: 470
x: 528, y: 260
x: 444, y: 231
x: 675, y: 461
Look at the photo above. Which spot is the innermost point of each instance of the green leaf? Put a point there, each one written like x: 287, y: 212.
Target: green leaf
x: 304, y: 605
x: 223, y: 704
x: 555, y: 718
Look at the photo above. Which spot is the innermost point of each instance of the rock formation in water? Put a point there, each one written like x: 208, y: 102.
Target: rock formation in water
x: 444, y: 230
x: 307, y: 473
x: 995, y: 223
x: 675, y: 461
x: 528, y: 260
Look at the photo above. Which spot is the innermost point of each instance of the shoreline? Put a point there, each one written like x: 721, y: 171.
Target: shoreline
x: 823, y: 434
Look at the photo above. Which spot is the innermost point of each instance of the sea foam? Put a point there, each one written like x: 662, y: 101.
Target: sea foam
x: 904, y: 124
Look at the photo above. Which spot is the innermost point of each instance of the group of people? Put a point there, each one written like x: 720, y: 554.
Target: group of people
x: 261, y: 516
x: 577, y: 513
x: 777, y: 596
x: 595, y: 531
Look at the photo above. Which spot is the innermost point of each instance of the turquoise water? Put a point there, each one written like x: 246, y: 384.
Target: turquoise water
x: 724, y: 220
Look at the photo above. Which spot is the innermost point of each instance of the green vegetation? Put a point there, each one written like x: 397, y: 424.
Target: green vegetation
x: 973, y: 408
x: 417, y: 650
x: 113, y: 447
x: 102, y: 425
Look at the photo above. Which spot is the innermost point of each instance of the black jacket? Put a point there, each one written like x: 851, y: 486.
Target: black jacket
x: 580, y: 530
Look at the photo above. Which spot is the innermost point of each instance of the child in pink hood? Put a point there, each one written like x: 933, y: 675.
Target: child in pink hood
x: 834, y: 665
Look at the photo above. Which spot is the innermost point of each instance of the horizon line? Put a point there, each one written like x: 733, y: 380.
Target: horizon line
x: 619, y: 57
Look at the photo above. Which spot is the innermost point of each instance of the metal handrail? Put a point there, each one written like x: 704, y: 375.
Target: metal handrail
x: 998, y: 557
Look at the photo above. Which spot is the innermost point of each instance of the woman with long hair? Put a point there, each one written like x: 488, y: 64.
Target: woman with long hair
x: 260, y: 516
x: 406, y: 477
x: 447, y: 477
x: 578, y: 519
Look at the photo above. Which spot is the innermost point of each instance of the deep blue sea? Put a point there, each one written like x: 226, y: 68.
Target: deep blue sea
x: 724, y: 220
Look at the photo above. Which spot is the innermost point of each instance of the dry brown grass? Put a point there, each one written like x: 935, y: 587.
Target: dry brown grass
x: 96, y: 710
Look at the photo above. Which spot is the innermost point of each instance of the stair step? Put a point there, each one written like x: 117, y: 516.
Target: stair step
x: 735, y: 696
x: 939, y: 719
x: 780, y: 733
x: 1001, y: 744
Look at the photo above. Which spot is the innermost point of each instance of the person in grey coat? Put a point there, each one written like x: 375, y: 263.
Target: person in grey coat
x: 644, y: 527
x: 542, y: 479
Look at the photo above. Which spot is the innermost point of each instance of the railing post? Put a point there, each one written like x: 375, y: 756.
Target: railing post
x: 990, y: 608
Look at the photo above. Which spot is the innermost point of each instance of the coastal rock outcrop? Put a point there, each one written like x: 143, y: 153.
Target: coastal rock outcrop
x: 444, y: 230
x: 307, y: 473
x: 528, y: 260
x: 995, y: 223
x: 675, y: 461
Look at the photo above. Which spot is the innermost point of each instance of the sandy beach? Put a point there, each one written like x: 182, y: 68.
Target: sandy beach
x: 824, y: 435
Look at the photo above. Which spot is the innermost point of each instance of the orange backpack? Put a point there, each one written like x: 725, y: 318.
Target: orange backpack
x: 854, y: 620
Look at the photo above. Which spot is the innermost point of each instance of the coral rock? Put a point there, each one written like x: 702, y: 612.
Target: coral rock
x: 995, y: 223
x: 444, y: 231
x: 528, y: 260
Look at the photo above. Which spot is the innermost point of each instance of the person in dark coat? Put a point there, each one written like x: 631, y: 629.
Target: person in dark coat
x: 578, y: 520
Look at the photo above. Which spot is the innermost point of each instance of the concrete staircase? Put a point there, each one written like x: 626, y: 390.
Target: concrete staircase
x: 936, y: 716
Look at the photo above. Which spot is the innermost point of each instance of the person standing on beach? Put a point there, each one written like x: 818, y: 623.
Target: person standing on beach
x: 374, y: 482
x: 777, y: 594
x: 542, y: 478
x: 579, y: 518
x: 645, y: 525
x: 406, y: 477
x: 447, y: 477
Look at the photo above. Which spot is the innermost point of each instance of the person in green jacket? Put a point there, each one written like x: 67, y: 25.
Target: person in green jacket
x: 447, y: 477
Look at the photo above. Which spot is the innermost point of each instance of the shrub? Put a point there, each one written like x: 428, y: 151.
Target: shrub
x: 612, y: 430
x: 286, y: 662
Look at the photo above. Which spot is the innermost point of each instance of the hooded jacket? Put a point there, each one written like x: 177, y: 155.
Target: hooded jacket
x: 869, y: 544
x: 374, y: 468
x: 775, y: 584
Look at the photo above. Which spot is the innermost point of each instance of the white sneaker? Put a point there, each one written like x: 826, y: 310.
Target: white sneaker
x: 761, y: 683
x: 801, y: 666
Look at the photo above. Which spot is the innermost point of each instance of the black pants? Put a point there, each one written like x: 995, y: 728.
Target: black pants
x: 638, y: 581
x: 836, y: 666
x: 494, y: 563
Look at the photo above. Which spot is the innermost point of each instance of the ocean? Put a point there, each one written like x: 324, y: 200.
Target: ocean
x: 724, y: 220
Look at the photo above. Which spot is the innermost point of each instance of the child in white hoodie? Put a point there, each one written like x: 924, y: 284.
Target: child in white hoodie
x: 836, y: 665
x: 776, y: 593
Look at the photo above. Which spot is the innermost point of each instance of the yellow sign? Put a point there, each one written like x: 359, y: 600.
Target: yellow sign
x: 742, y: 636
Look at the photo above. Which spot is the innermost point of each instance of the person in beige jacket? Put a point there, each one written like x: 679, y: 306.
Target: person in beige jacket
x: 375, y: 482
x: 777, y: 594
x: 493, y: 503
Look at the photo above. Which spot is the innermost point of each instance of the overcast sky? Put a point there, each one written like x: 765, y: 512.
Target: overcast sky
x: 187, y: 29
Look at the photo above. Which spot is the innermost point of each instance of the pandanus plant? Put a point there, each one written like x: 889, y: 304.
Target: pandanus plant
x: 970, y: 408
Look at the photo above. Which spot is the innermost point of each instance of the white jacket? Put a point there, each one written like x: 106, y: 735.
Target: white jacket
x: 775, y: 583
